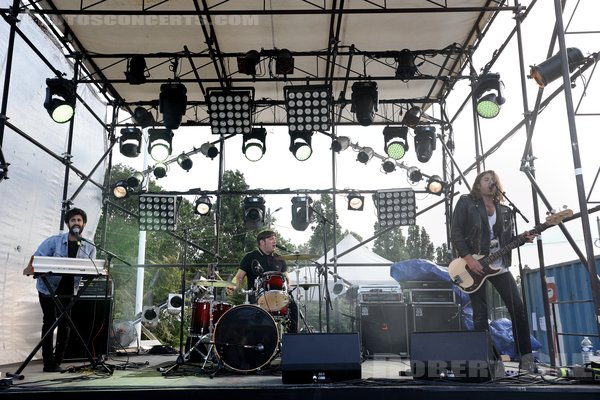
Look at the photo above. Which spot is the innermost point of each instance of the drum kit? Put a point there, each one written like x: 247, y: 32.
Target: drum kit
x: 242, y: 338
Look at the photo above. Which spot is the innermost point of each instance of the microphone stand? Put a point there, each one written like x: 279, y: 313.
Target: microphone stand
x: 514, y: 207
x: 323, y: 270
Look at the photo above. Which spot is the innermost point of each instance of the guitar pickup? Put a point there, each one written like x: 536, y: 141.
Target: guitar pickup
x: 456, y: 280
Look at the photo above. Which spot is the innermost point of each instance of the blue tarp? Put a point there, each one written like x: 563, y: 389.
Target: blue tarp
x: 424, y: 270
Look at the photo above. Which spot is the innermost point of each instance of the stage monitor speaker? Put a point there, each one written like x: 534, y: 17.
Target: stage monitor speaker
x: 383, y: 328
x: 320, y: 357
x: 459, y: 355
x: 92, y: 316
x: 434, y: 317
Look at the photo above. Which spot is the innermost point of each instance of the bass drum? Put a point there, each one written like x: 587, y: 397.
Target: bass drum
x: 246, y: 338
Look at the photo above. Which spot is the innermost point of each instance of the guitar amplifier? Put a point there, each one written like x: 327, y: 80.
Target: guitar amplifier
x: 429, y: 296
x: 379, y: 294
x: 383, y: 328
x: 434, y: 317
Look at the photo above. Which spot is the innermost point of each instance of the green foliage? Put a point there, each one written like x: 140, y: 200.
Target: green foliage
x: 323, y: 209
x: 391, y: 245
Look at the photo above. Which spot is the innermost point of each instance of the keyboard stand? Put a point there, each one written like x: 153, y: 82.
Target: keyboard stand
x: 64, y: 313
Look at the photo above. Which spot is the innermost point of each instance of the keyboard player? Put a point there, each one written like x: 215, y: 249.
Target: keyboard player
x: 66, y: 244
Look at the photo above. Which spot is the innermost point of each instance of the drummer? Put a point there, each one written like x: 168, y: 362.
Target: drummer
x: 259, y: 261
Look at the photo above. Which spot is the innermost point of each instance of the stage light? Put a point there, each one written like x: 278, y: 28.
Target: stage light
x: 150, y: 316
x: 253, y: 144
x: 424, y: 142
x: 185, y: 162
x: 120, y: 189
x: 136, y: 70
x: 160, y: 170
x: 364, y: 102
x: 230, y: 110
x: 202, y: 205
x: 308, y: 108
x: 143, y: 117
x: 365, y: 154
x: 412, y: 118
x: 174, y: 303
x: 159, y: 143
x: 395, y: 144
x: 435, y: 185
x: 248, y: 62
x: 284, y: 62
x: 488, y: 95
x: 395, y: 207
x: 340, y: 143
x: 388, y: 165
x: 254, y: 212
x: 300, y: 145
x: 157, y: 212
x: 172, y: 103
x: 60, y: 99
x: 551, y: 69
x: 414, y: 175
x: 356, y: 201
x: 301, y: 212
x: 209, y: 150
x: 130, y: 142
x: 135, y: 180
x: 406, y: 65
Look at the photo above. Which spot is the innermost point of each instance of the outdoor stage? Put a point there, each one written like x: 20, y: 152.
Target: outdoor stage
x: 138, y: 376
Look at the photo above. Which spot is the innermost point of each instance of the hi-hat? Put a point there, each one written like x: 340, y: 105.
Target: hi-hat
x: 297, y: 257
x: 213, y: 283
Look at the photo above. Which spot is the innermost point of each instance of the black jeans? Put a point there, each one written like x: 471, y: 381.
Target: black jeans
x: 507, y: 288
x: 49, y: 315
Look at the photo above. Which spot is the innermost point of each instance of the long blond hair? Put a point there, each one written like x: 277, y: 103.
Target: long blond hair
x: 476, y: 190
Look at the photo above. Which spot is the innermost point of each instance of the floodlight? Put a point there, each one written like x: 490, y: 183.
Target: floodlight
x: 388, y: 165
x: 364, y: 102
x: 136, y: 70
x: 230, y: 110
x: 414, y: 174
x: 300, y: 145
x: 340, y: 143
x: 209, y: 150
x: 356, y: 201
x: 406, y: 65
x: 424, y: 142
x: 412, y: 118
x: 60, y: 99
x: 130, y: 142
x: 365, y: 154
x: 284, y: 62
x: 160, y: 170
x: 157, y: 212
x: 253, y: 144
x: 143, y: 117
x: 551, y: 69
x: 301, y: 212
x: 395, y: 144
x: 120, y: 189
x: 308, y: 108
x: 135, y: 180
x: 248, y: 62
x: 185, y: 162
x: 435, y: 185
x: 202, y: 205
x: 254, y: 212
x: 174, y: 303
x: 395, y: 207
x: 159, y: 143
x: 172, y: 103
x: 150, y: 316
x: 488, y: 95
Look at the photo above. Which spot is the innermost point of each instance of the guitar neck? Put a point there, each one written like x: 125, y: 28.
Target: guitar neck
x: 517, y: 242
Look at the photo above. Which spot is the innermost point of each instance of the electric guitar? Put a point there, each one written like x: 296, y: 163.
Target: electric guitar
x: 470, y: 282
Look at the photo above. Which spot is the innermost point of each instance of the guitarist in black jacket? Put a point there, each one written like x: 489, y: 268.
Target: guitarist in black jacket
x: 481, y: 225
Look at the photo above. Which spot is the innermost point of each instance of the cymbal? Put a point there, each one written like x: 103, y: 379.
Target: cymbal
x: 297, y: 257
x: 307, y: 285
x: 213, y: 283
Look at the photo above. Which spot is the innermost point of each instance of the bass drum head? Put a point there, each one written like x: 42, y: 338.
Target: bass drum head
x: 246, y: 338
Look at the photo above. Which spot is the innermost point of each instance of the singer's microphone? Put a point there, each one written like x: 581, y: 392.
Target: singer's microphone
x: 75, y: 231
x: 257, y: 268
x: 493, y: 186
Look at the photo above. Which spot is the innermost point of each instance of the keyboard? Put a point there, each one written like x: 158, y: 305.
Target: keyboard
x: 65, y: 266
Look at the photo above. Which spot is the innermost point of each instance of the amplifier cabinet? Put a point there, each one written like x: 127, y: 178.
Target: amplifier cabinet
x: 92, y: 316
x: 434, y: 317
x: 429, y: 296
x: 383, y: 328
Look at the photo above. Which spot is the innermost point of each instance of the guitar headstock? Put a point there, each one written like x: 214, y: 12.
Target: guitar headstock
x: 557, y: 217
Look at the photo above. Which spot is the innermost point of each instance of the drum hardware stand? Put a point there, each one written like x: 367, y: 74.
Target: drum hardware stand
x: 322, y: 269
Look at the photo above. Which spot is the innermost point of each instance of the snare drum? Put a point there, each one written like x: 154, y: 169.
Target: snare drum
x: 200, y: 321
x: 272, y: 294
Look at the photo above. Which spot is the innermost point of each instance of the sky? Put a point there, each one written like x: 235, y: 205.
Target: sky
x: 552, y: 147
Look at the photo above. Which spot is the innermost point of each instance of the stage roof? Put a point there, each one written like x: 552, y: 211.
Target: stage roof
x: 332, y: 42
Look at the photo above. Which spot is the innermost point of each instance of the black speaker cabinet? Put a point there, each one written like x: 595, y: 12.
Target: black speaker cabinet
x: 434, y: 317
x: 320, y: 357
x: 459, y: 355
x: 92, y: 316
x: 383, y: 328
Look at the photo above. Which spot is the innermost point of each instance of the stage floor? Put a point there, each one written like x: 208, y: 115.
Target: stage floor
x: 383, y: 377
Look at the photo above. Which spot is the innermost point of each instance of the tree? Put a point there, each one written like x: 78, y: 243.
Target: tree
x: 441, y: 254
x: 418, y: 243
x: 324, y: 217
x: 391, y: 245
